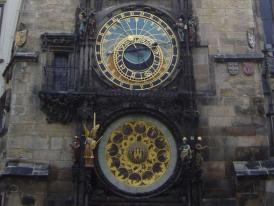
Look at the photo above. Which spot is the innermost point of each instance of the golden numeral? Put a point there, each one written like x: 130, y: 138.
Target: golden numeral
x: 148, y: 73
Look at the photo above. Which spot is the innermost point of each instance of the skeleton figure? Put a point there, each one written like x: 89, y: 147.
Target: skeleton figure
x: 182, y: 27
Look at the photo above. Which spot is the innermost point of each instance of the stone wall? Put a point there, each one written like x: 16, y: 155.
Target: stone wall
x: 223, y: 24
x: 231, y: 107
x: 29, y: 136
x: 21, y: 190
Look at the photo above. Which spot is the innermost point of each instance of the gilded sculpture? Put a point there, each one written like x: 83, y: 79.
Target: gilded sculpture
x: 91, y: 142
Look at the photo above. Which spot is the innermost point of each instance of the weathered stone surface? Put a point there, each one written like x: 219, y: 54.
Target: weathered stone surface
x: 20, y: 154
x: 231, y: 107
x: 57, y: 174
x: 214, y: 169
x: 227, y: 131
x: 61, y: 187
x: 220, y: 202
x: 227, y: 92
x: 47, y: 155
x: 221, y: 187
x: 269, y: 186
x: 251, y: 153
x: 56, y: 143
x: 219, y: 121
x: 28, y: 186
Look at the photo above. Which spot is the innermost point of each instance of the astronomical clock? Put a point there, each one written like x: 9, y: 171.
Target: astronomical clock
x: 134, y: 70
x: 138, y: 51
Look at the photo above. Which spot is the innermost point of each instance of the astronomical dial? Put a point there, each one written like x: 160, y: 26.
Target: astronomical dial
x: 136, y: 50
x: 137, y: 154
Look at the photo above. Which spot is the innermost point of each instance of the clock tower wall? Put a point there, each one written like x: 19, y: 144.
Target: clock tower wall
x: 231, y: 100
x: 229, y: 97
x: 165, y: 4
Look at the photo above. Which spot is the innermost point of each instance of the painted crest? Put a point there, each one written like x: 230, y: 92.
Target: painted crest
x: 248, y: 68
x: 251, y: 39
x: 21, y: 38
x: 21, y: 35
x: 233, y: 68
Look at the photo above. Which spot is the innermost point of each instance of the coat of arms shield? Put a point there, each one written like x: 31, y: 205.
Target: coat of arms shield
x: 21, y: 38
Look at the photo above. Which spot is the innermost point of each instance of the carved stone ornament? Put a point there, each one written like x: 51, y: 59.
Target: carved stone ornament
x: 233, y: 68
x: 57, y: 41
x: 248, y: 68
x: 21, y: 36
x: 251, y: 39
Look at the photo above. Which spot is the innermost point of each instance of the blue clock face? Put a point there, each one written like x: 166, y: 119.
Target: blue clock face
x: 136, y: 50
x: 138, y: 57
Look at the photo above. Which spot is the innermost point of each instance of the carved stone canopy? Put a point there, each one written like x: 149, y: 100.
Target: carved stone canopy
x: 57, y: 41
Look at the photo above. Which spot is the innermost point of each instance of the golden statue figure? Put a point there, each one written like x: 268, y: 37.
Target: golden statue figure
x: 91, y: 142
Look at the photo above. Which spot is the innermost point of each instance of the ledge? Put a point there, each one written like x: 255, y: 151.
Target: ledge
x: 26, y: 57
x: 254, y: 57
x: 254, y: 168
x: 19, y: 57
x: 27, y: 169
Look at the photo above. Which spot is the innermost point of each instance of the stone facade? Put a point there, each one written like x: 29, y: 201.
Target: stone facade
x: 29, y: 136
x: 232, y: 121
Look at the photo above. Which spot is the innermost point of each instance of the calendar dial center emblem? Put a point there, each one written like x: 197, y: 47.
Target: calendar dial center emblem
x: 136, y: 50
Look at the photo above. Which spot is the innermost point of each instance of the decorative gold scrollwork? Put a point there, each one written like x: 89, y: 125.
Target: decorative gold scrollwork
x: 137, y: 153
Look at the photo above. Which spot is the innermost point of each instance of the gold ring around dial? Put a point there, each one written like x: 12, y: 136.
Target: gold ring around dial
x: 146, y: 74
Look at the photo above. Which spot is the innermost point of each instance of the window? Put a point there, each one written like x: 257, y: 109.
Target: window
x: 1, y: 15
x: 267, y: 15
x: 60, y: 71
x: 60, y: 60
